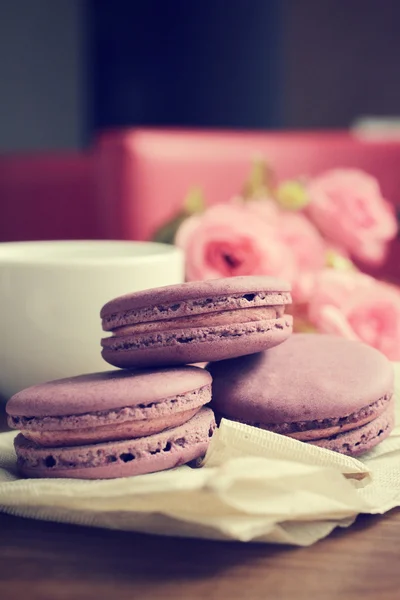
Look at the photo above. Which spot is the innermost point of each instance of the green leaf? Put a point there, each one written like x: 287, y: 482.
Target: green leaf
x: 303, y: 326
x: 338, y: 262
x: 260, y: 182
x: 194, y: 202
x: 292, y: 195
x: 166, y: 233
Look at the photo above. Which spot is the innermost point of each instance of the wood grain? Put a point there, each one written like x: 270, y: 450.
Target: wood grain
x: 51, y: 561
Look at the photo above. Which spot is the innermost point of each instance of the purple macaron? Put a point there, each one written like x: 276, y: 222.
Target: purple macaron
x: 113, y: 424
x: 196, y: 322
x: 321, y: 389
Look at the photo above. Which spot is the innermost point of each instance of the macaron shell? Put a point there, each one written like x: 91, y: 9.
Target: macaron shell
x: 358, y: 441
x: 106, y: 391
x: 154, y: 412
x: 166, y: 450
x: 196, y: 345
x: 161, y: 463
x: 309, y: 377
x: 186, y: 310
x: 210, y: 288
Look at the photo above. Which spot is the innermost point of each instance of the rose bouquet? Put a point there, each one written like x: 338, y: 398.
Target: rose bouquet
x: 312, y: 232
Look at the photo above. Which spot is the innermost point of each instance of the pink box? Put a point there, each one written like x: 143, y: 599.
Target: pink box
x: 144, y: 175
x: 135, y: 180
x: 46, y: 197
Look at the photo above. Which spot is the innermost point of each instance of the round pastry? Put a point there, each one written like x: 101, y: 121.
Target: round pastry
x: 321, y: 389
x: 112, y: 424
x: 196, y: 322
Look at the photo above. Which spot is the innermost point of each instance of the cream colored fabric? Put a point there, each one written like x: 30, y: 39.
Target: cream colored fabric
x: 254, y: 485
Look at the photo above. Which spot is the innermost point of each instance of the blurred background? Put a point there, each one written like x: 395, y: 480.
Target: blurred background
x: 113, y: 109
x: 122, y: 118
x: 70, y: 68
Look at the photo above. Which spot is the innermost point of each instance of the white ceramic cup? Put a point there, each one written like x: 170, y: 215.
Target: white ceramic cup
x: 51, y: 294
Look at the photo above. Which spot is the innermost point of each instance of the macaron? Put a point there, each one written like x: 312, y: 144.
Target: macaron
x: 112, y: 424
x: 196, y: 322
x: 320, y: 389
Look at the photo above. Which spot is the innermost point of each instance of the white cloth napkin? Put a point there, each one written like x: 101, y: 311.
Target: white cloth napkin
x: 254, y: 485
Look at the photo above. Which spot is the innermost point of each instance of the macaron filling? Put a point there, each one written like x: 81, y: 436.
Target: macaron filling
x: 363, y: 438
x: 190, y: 307
x: 244, y: 315
x: 325, y: 428
x: 109, y: 433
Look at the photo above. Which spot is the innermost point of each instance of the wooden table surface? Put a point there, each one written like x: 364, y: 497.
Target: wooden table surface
x: 49, y: 561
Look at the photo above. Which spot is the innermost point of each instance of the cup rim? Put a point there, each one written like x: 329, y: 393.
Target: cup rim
x: 38, y: 252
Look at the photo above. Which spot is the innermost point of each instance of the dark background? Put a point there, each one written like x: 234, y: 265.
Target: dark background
x: 69, y: 68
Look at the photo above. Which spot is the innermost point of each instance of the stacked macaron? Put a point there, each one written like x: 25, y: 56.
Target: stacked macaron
x: 113, y: 424
x: 152, y: 414
x: 196, y: 322
x: 155, y: 411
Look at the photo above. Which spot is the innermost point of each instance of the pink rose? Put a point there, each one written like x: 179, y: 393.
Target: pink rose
x: 309, y: 250
x: 300, y: 235
x: 229, y: 240
x: 267, y: 210
x: 348, y: 208
x: 357, y: 307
